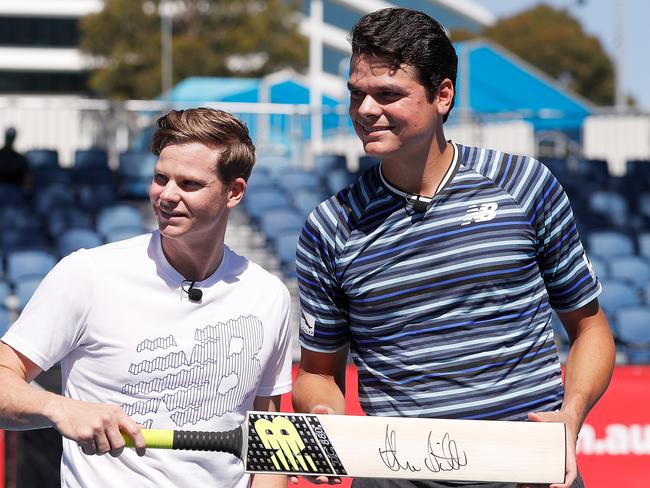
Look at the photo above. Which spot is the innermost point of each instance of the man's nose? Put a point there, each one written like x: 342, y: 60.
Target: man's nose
x: 369, y: 107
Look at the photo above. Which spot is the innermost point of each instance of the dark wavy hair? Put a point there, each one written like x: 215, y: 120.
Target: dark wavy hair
x: 403, y: 36
x: 214, y: 128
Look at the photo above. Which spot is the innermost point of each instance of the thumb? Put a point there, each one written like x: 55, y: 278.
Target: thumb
x: 322, y: 409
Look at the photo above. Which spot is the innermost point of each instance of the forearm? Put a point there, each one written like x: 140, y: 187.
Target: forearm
x: 589, y: 368
x: 22, y: 406
x: 310, y: 390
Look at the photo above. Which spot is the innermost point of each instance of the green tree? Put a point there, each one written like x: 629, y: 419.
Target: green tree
x: 553, y: 41
x: 210, y: 38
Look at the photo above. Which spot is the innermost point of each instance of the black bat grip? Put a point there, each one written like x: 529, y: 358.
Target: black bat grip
x: 230, y: 441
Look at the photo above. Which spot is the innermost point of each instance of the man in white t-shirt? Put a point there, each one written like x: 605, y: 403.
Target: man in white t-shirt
x: 168, y: 330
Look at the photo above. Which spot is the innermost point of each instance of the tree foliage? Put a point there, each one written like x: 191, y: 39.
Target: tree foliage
x: 210, y: 38
x: 553, y: 41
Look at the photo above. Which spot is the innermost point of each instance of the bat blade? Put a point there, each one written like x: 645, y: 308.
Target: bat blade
x: 413, y: 448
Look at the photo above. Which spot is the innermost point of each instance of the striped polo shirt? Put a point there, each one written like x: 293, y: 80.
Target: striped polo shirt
x: 447, y: 310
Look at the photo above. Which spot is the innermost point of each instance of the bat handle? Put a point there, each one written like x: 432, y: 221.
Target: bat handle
x: 230, y: 441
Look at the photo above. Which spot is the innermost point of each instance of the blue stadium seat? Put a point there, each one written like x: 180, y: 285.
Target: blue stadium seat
x: 18, y: 216
x: 28, y: 263
x: 135, y: 172
x: 592, y: 169
x: 275, y: 164
x: 93, y: 196
x: 638, y: 168
x: 634, y: 269
x: 646, y: 294
x: 118, y: 215
x: 633, y: 327
x: 285, y: 249
x: 45, y: 176
x: 366, y: 162
x: 307, y: 200
x: 298, y: 179
x: 65, y: 217
x: 5, y: 320
x: 15, y: 239
x: 339, y: 179
x: 275, y: 221
x: 73, y: 239
x: 258, y: 202
x: 617, y: 294
x: 324, y: 163
x: 260, y: 178
x: 608, y: 243
x: 11, y: 194
x: 124, y: 232
x: 557, y: 166
x: 610, y: 204
x: 52, y: 195
x: 4, y: 293
x: 644, y: 244
x: 42, y: 158
x: 25, y: 289
x: 90, y: 158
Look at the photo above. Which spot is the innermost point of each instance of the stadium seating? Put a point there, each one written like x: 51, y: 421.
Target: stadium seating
x: 64, y: 217
x: 73, y: 239
x: 610, y: 204
x: 324, y: 163
x: 42, y: 158
x: 135, y: 172
x: 28, y: 263
x: 25, y: 289
x: 633, y: 269
x: 14, y: 239
x: 90, y: 158
x: 633, y: 326
x: 5, y: 320
x: 307, y: 200
x: 118, y: 215
x: 366, y: 162
x: 617, y: 294
x: 258, y: 202
x: 276, y: 221
x: 608, y: 243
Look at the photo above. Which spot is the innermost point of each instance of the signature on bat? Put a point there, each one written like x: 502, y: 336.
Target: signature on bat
x: 441, y: 455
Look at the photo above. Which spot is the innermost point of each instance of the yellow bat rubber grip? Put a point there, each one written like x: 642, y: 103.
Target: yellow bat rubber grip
x: 155, y: 439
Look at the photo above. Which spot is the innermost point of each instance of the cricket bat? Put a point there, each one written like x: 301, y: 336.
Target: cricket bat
x: 384, y: 447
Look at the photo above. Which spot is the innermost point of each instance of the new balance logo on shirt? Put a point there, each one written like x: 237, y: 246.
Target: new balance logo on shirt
x: 487, y: 211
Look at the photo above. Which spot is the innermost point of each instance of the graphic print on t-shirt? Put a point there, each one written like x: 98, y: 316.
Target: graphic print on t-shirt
x: 220, y: 372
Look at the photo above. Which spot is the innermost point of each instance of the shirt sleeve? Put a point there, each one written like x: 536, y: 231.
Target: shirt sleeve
x: 570, y: 279
x: 324, y: 323
x: 54, y: 320
x: 276, y: 377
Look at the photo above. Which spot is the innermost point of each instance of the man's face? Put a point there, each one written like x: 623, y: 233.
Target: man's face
x: 189, y: 200
x: 391, y: 110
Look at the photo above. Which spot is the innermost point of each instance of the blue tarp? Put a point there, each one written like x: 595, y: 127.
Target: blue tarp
x: 501, y: 83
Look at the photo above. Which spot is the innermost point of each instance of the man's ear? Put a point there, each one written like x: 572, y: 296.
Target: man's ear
x: 236, y: 192
x: 445, y: 96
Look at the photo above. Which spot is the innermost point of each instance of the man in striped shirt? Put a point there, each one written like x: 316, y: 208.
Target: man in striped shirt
x: 439, y: 267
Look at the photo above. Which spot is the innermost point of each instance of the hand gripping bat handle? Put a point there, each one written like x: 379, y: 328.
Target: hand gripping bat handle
x: 230, y: 441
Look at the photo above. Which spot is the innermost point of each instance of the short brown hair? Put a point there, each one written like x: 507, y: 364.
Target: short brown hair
x: 214, y: 128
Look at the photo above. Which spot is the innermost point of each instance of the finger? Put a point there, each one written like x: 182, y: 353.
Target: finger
x: 116, y: 442
x: 102, y: 444
x: 133, y: 430
x: 88, y: 448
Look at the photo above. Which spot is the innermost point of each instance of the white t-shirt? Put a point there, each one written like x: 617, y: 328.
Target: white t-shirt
x: 127, y: 334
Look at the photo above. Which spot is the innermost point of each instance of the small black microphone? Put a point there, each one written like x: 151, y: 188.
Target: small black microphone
x: 193, y: 294
x: 419, y: 206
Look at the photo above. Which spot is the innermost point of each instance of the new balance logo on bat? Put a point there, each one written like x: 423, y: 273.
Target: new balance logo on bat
x: 487, y: 211
x: 281, y: 436
x: 292, y: 443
